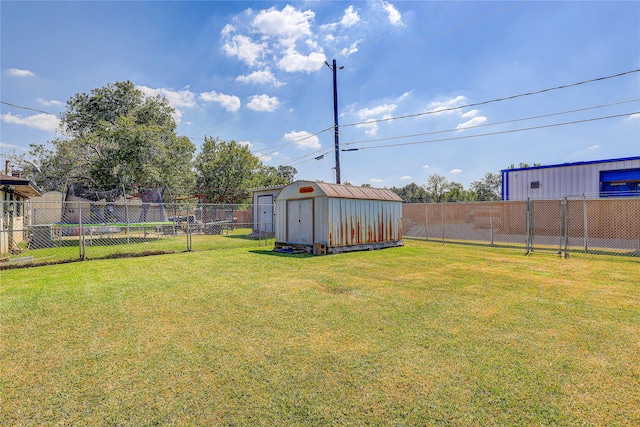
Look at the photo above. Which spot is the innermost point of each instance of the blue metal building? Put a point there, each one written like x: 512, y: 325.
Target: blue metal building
x: 594, y: 179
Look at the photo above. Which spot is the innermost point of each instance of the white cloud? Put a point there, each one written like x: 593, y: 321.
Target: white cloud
x: 426, y: 167
x: 229, y: 102
x: 375, y: 180
x: 50, y: 102
x: 455, y: 171
x: 593, y: 147
x: 370, y: 127
x: 263, y: 103
x: 288, y: 24
x: 227, y: 30
x: 350, y: 17
x: 294, y: 61
x: 405, y: 177
x: 445, y: 106
x: 263, y: 157
x: 634, y: 116
x: 370, y: 115
x: 380, y: 111
x: 12, y: 147
x: 394, y: 16
x: 243, y: 48
x: 351, y: 49
x: 16, y: 72
x: 473, y: 122
x: 470, y: 113
x: 260, y: 77
x: 177, y: 99
x: 47, y: 122
x: 303, y: 139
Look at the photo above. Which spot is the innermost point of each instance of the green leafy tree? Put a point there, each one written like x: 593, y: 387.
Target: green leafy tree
x: 488, y: 188
x: 116, y: 134
x: 436, y: 186
x: 411, y: 193
x: 225, y: 170
x: 455, y: 192
x: 270, y: 176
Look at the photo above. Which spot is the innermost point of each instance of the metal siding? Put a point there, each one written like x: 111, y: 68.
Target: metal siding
x: 358, y: 222
x: 281, y: 220
x: 321, y: 224
x: 300, y: 221
x: 571, y: 180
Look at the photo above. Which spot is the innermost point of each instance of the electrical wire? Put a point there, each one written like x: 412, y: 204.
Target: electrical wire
x: 506, y: 98
x: 497, y: 133
x: 30, y: 109
x: 490, y: 124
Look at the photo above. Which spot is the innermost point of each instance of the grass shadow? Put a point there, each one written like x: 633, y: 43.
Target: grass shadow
x: 279, y: 254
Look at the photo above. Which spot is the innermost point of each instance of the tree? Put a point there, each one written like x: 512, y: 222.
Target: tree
x: 488, y: 188
x: 455, y: 192
x: 523, y: 165
x: 411, y: 193
x: 270, y: 176
x: 225, y: 170
x: 116, y: 135
x: 436, y: 187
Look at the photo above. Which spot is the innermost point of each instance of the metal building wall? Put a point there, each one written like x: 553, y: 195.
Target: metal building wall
x: 555, y: 181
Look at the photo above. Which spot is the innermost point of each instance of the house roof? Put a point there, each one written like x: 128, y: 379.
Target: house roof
x: 21, y: 186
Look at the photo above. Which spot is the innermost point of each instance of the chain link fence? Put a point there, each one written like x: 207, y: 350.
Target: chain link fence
x: 562, y: 226
x: 34, y: 232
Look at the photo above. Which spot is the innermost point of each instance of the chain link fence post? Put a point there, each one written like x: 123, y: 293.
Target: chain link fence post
x: 83, y: 253
x: 491, y: 220
x: 566, y: 227
x: 585, y: 227
x: 442, y: 223
x: 528, y: 227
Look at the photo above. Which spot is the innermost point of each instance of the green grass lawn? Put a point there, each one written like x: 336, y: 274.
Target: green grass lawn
x: 426, y: 334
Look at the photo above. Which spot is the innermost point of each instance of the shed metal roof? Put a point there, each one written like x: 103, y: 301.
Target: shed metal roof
x: 353, y: 192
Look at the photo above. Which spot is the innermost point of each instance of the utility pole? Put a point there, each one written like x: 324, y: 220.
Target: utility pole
x: 335, y: 69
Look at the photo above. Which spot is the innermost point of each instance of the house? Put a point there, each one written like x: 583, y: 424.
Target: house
x: 593, y: 179
x: 332, y: 218
x: 15, y: 211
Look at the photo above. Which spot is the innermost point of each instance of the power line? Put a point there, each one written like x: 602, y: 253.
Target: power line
x: 492, y: 124
x: 506, y: 98
x: 30, y: 109
x: 496, y: 133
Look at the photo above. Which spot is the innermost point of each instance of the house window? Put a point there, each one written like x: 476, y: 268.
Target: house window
x: 535, y: 184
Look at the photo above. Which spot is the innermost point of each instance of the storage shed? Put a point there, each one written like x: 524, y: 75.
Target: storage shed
x: 594, y: 179
x: 263, y: 213
x: 333, y: 218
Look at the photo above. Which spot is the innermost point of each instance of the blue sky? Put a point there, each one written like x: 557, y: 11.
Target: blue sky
x: 254, y: 72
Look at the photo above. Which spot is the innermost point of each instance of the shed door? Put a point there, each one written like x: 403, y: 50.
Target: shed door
x: 265, y: 213
x: 300, y: 221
